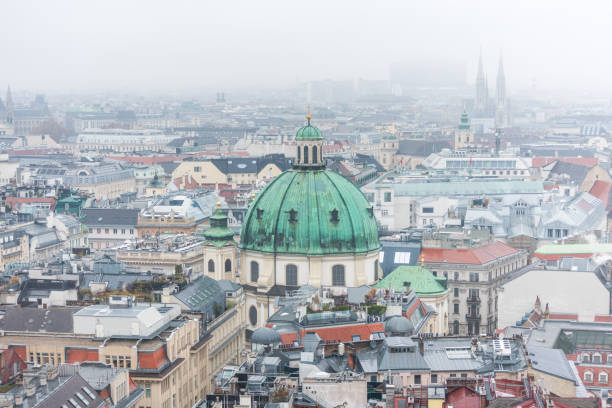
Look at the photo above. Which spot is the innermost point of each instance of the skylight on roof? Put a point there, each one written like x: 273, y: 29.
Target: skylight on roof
x: 402, y: 258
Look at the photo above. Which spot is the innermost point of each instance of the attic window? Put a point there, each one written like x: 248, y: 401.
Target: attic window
x: 292, y: 216
x: 334, y: 216
x: 259, y: 213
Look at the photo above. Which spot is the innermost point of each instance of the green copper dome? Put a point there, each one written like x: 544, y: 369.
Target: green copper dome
x: 311, y: 212
x: 308, y: 132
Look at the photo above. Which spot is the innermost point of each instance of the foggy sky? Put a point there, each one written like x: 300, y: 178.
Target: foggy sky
x: 173, y: 45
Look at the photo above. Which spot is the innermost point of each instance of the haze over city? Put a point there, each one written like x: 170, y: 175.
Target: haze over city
x: 155, y: 46
x: 277, y: 204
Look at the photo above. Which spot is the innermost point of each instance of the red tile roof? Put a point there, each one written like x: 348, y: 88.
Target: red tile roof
x: 146, y: 161
x: 473, y: 256
x: 584, y: 161
x: 601, y: 190
x: 80, y: 355
x: 153, y: 360
x: 343, y: 333
x: 17, y: 202
x: 564, y: 316
x: 20, y: 350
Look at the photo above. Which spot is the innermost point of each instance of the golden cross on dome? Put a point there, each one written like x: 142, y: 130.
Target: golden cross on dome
x: 308, y: 115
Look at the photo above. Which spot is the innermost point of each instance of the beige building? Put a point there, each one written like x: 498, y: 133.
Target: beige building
x: 170, y: 356
x: 387, y: 151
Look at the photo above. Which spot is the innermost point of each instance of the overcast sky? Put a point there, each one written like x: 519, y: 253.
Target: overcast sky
x: 172, y: 44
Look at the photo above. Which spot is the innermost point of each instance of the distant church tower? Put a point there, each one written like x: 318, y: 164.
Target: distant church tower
x: 502, y: 114
x: 482, y: 90
x: 10, y: 108
x: 464, y: 137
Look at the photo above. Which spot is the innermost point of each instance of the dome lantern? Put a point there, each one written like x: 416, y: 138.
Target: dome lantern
x: 309, y: 141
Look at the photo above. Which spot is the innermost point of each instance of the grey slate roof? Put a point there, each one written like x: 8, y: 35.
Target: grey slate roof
x: 66, y: 391
x: 576, y: 172
x: 110, y: 217
x: 551, y: 361
x: 202, y: 295
x: 422, y: 148
x: 389, y: 248
x: 169, y: 167
x: 33, y: 320
x: 114, y: 281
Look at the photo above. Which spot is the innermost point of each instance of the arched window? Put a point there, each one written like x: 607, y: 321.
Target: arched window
x: 456, y: 327
x: 603, y: 377
x: 338, y: 275
x: 254, y: 271
x: 211, y: 265
x: 376, y: 270
x: 228, y: 265
x: 299, y: 155
x: 305, y: 154
x: 314, y: 154
x: 253, y: 315
x: 291, y: 277
x: 321, y: 155
x: 588, y: 377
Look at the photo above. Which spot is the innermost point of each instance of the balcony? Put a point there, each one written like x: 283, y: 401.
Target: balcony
x: 472, y: 316
x: 473, y: 299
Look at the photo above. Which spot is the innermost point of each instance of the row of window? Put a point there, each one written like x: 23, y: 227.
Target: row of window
x: 46, y: 358
x: 595, y: 358
x: 291, y: 273
x: 119, y: 361
x: 602, y: 378
x: 211, y: 265
x: 317, y: 156
x: 115, y: 231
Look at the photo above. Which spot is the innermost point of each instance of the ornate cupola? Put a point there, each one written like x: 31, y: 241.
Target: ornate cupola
x: 219, y: 248
x: 309, y: 141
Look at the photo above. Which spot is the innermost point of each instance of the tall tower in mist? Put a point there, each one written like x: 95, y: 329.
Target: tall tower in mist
x: 482, y: 92
x: 502, y: 114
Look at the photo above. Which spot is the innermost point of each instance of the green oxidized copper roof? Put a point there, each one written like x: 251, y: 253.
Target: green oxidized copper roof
x: 313, y: 212
x: 156, y: 182
x: 465, y: 121
x: 421, y: 281
x: 218, y: 233
x: 308, y: 132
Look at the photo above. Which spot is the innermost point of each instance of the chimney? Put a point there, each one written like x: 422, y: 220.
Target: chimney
x: 538, y: 305
x: 421, y: 345
x: 389, y: 396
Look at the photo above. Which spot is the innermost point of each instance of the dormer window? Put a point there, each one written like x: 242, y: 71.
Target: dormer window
x: 334, y: 216
x: 259, y: 214
x: 370, y: 211
x: 292, y: 216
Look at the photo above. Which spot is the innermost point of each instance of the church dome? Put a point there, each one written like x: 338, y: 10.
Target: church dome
x: 266, y: 336
x: 399, y: 325
x: 308, y: 132
x: 310, y: 212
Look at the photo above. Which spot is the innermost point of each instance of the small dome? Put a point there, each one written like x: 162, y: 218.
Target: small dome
x: 265, y: 335
x: 308, y: 132
x: 399, y: 325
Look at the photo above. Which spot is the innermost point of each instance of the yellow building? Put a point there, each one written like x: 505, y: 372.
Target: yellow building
x: 232, y: 170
